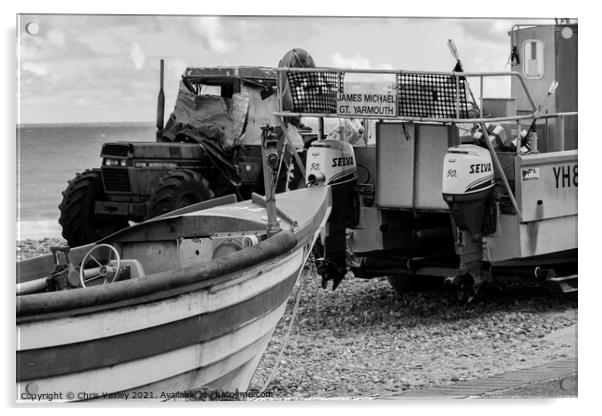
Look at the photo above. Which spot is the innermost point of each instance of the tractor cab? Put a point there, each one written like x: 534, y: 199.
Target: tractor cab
x: 230, y: 80
x: 225, y: 104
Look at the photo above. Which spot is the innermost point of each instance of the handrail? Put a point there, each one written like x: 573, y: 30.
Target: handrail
x: 457, y: 76
x: 457, y: 120
x: 395, y: 71
x: 430, y: 119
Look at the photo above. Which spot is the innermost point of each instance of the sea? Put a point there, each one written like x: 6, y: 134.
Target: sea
x: 48, y: 155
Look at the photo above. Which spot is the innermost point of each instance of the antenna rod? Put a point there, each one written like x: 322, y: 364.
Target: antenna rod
x: 160, y: 104
x: 458, y: 68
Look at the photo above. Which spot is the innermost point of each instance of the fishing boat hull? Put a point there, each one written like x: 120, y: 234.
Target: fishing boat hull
x: 546, y: 194
x: 203, y: 326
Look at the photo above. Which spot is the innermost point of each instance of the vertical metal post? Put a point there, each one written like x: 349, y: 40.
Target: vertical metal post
x: 279, y: 89
x: 270, y: 159
x: 457, y: 96
x: 270, y: 200
x: 160, y: 104
x: 547, y: 133
x: 560, y: 133
x: 320, y: 128
x: 519, y: 137
x: 481, y: 97
x: 55, y: 255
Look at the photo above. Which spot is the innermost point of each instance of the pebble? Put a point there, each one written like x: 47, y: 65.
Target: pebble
x: 376, y: 338
x: 32, y: 248
x: 418, y: 338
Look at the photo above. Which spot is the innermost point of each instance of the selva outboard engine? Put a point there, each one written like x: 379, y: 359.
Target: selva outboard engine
x: 332, y: 162
x: 467, y: 186
x: 468, y: 183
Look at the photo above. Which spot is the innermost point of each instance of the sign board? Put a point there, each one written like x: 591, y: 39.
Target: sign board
x: 367, y: 99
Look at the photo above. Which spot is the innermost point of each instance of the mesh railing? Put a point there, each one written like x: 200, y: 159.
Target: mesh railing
x: 418, y: 95
x: 315, y: 92
x: 432, y: 96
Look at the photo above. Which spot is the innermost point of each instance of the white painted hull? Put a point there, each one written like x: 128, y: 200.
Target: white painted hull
x: 234, y: 354
x: 160, y: 336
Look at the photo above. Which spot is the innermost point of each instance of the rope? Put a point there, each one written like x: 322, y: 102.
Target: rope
x: 314, y: 274
x: 286, y: 338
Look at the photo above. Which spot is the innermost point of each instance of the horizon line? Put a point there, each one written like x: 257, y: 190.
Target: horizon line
x: 63, y: 123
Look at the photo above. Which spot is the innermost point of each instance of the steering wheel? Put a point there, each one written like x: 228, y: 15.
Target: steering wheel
x: 108, y: 272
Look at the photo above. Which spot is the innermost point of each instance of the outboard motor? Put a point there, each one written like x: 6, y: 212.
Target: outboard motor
x: 467, y: 186
x: 332, y: 162
x: 468, y: 182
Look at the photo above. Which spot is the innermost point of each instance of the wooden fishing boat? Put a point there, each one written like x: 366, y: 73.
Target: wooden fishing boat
x: 192, y: 301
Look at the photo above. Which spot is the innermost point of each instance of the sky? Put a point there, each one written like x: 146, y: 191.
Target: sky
x: 105, y: 68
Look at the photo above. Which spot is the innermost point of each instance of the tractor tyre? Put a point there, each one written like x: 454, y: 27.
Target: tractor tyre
x: 79, y: 222
x: 407, y: 284
x: 178, y: 189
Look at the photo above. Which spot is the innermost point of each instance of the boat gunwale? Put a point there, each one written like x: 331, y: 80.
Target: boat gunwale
x: 49, y: 305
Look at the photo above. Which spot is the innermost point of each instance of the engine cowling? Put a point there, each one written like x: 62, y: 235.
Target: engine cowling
x: 468, y: 181
x: 332, y: 162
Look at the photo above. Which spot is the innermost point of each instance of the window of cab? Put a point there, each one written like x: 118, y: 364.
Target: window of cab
x: 533, y: 58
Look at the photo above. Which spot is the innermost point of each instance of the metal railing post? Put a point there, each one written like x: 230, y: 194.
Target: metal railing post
x: 519, y: 137
x: 560, y: 133
x: 481, y: 97
x: 457, y: 96
x: 498, y: 166
x: 320, y: 128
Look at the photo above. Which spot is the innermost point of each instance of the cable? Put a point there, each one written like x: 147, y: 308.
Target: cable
x: 286, y: 338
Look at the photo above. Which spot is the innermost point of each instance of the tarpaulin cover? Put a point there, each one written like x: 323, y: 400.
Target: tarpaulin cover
x: 213, y: 117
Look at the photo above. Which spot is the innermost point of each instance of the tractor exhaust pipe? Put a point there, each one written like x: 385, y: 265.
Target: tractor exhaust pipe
x: 160, y: 104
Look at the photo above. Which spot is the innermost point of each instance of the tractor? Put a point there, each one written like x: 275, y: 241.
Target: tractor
x: 209, y: 147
